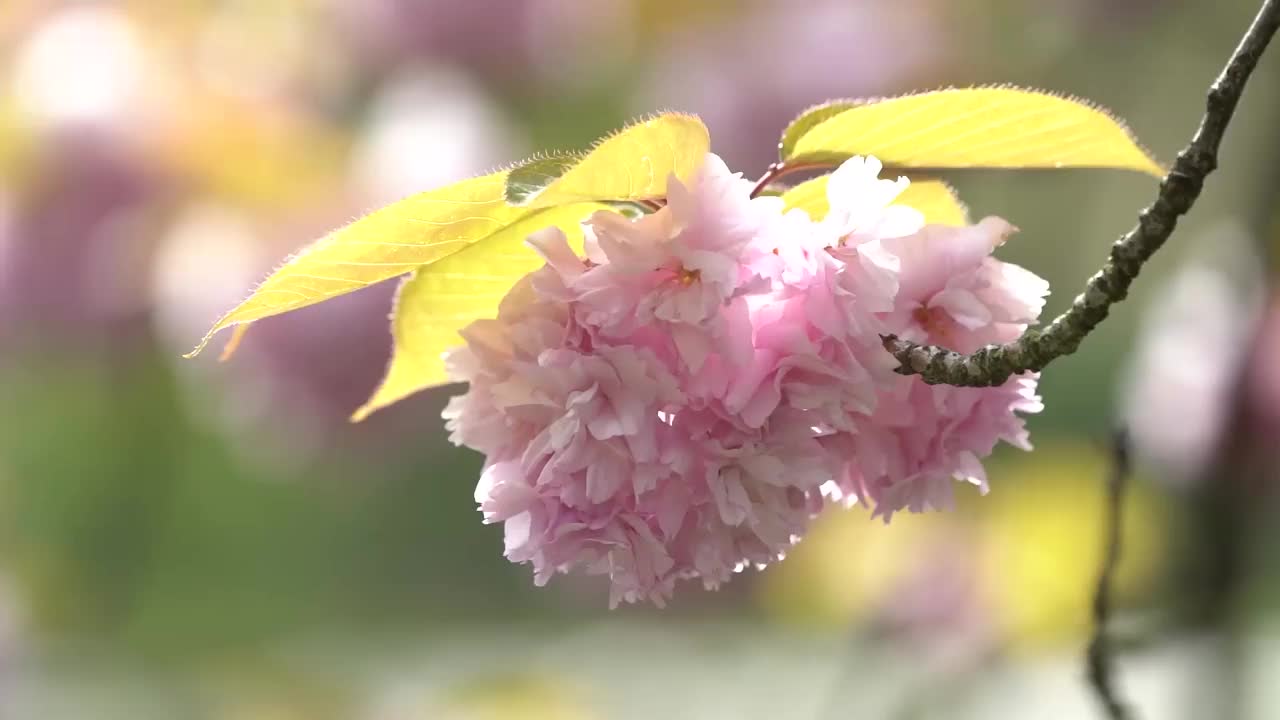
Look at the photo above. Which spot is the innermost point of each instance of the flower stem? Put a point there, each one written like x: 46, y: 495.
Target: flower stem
x: 780, y: 170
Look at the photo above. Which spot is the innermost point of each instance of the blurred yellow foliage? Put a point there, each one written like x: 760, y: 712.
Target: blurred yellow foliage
x: 1036, y: 540
x: 1042, y: 535
x: 847, y: 565
x: 252, y: 155
x: 15, y: 143
x: 513, y: 697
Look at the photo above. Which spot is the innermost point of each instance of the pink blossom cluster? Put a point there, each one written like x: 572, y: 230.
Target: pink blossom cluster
x: 681, y: 399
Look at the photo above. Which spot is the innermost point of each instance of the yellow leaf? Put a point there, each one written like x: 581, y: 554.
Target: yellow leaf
x: 934, y: 199
x: 810, y: 196
x: 634, y: 163
x: 437, y: 301
x: 808, y: 120
x: 392, y: 241
x: 526, y: 179
x: 991, y: 127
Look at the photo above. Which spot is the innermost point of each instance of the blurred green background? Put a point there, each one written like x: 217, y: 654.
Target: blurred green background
x: 188, y: 539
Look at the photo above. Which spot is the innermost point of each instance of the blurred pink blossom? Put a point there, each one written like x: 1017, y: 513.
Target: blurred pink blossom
x: 77, y: 252
x: 938, y: 605
x: 1185, y: 372
x: 1263, y: 380
x: 557, y: 42
x: 748, y: 76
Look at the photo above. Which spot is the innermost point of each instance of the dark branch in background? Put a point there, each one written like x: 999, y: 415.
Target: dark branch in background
x: 1099, y: 658
x: 994, y: 364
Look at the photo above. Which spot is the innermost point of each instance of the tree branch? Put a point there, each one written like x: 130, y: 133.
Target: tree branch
x: 1098, y: 657
x: 994, y: 364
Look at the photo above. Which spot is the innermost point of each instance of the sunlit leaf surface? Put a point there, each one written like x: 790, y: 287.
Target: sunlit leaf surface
x: 391, y: 241
x: 634, y: 163
x: 440, y: 299
x: 993, y: 127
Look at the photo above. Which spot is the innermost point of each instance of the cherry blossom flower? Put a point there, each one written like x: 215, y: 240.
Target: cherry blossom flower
x: 682, y: 399
x: 951, y: 292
